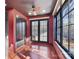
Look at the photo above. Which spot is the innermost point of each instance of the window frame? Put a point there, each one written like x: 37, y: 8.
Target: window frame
x: 39, y: 29
x: 61, y: 26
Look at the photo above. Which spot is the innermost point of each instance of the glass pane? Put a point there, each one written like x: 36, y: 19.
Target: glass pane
x: 65, y: 37
x: 58, y: 34
x: 65, y: 20
x: 58, y: 20
x: 43, y: 31
x: 20, y: 32
x: 58, y: 17
x: 54, y: 27
x: 71, y: 17
x: 23, y: 30
x: 58, y: 23
x: 65, y: 9
x: 71, y: 4
x: 71, y: 34
x: 35, y: 31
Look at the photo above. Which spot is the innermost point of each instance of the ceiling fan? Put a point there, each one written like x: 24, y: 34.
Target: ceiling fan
x: 35, y: 9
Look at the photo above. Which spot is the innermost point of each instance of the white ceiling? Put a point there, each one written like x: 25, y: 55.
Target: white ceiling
x: 59, y: 3
x: 25, y: 6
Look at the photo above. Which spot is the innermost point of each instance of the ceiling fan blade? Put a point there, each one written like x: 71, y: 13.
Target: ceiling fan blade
x: 37, y: 8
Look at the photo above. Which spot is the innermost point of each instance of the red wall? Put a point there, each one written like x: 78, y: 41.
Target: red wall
x: 28, y: 28
x: 51, y: 30
x: 11, y: 32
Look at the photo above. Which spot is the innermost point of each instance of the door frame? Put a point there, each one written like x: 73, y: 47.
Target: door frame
x: 39, y: 29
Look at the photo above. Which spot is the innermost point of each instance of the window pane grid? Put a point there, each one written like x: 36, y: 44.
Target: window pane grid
x: 43, y: 30
x: 58, y: 34
x: 65, y: 9
x: 65, y: 37
x: 35, y: 31
x: 67, y: 27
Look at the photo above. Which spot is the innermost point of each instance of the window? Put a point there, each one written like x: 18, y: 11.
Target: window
x: 58, y: 23
x: 65, y: 9
x: 20, y: 31
x: 71, y: 39
x: 58, y: 27
x: 54, y: 29
x: 58, y: 34
x: 35, y: 31
x: 39, y: 30
x: 65, y: 27
x: 58, y: 17
x: 58, y: 20
x: 71, y: 4
x: 65, y: 20
x: 71, y: 17
x: 65, y: 31
x: 68, y: 32
x: 71, y: 31
x: 65, y: 37
x: 43, y: 30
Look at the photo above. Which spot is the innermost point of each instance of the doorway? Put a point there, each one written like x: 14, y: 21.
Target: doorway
x: 39, y: 30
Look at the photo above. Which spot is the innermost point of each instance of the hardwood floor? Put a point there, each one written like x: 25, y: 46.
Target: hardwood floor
x: 45, y: 52
x: 41, y: 52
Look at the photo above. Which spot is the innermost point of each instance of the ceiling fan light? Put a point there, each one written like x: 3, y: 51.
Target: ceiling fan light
x: 43, y: 11
x: 29, y: 13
